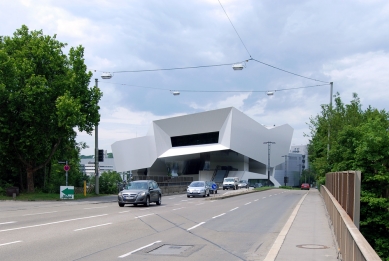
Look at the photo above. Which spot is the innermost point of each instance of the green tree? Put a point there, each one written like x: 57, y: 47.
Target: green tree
x: 108, y: 182
x: 44, y: 95
x: 359, y: 140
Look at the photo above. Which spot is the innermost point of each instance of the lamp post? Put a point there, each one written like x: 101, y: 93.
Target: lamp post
x: 96, y: 154
x: 329, y: 127
x: 268, y: 160
x: 286, y: 170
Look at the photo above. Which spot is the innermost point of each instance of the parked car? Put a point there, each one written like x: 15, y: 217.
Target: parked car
x: 243, y: 184
x: 257, y: 185
x: 197, y: 188
x: 212, y: 184
x: 140, y: 192
x: 230, y: 182
x: 305, y: 186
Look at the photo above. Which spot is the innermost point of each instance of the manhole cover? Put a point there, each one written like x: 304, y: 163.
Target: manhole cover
x: 312, y: 246
x: 169, y: 250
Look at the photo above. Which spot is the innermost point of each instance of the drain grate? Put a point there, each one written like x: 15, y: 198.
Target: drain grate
x: 169, y: 250
x: 312, y: 246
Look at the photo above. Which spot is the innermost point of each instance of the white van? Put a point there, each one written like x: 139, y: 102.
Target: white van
x: 230, y: 182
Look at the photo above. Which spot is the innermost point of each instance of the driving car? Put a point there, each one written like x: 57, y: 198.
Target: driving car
x: 213, y: 185
x: 140, y: 192
x: 305, y: 186
x: 243, y: 184
x: 197, y: 188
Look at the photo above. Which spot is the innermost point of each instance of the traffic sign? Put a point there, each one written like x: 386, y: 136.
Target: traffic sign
x: 66, y: 167
x: 214, y: 186
x: 66, y: 192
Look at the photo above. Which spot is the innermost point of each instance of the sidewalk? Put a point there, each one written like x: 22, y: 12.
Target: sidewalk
x: 307, y: 235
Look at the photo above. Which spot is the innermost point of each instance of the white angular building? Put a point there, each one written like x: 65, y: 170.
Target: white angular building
x: 206, y: 146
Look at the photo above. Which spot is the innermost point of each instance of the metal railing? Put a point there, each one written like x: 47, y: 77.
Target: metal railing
x: 352, y: 244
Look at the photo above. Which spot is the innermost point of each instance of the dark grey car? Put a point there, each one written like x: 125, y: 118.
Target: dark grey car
x: 140, y: 192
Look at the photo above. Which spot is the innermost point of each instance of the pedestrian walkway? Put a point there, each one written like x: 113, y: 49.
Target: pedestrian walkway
x: 307, y: 235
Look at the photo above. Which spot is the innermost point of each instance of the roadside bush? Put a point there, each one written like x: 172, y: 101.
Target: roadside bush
x: 108, y: 182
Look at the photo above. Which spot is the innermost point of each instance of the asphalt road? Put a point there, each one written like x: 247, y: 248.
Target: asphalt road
x: 236, y: 228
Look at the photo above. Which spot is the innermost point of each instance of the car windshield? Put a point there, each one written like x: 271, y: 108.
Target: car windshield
x: 197, y: 184
x: 229, y: 180
x: 242, y: 181
x: 137, y: 185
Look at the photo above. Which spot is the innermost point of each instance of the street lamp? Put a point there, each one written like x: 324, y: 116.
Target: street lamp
x: 330, y: 109
x: 96, y: 153
x: 268, y: 160
x: 286, y: 171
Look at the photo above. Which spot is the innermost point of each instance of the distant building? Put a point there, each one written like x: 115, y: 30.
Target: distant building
x: 88, y: 165
x: 206, y: 146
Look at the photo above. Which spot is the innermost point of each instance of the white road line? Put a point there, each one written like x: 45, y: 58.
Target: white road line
x: 136, y: 250
x: 92, y: 226
x: 145, y: 215
x: 247, y: 203
x: 234, y: 209
x: 7, y: 222
x: 200, y: 204
x: 256, y: 200
x: 219, y: 215
x: 199, y: 224
x: 176, y: 204
x: 96, y: 207
x: 170, y: 198
x: 124, y: 212
x: 39, y: 213
x: 145, y: 209
x: 52, y: 223
x: 10, y: 243
x: 177, y: 208
x: 184, y: 200
x: 264, y: 197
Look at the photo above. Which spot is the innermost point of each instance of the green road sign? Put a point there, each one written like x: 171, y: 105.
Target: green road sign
x: 66, y: 192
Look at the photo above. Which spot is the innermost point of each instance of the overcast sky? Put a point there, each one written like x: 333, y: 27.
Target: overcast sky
x: 346, y: 42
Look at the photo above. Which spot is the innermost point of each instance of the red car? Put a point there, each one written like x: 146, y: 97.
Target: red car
x: 305, y: 186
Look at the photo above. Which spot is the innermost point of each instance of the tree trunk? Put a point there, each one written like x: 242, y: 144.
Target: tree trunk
x: 30, y: 180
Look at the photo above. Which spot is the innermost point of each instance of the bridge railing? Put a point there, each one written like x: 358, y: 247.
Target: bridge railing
x: 352, y: 244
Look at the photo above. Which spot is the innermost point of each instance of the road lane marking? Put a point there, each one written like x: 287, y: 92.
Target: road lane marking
x: 10, y: 243
x: 136, y: 250
x: 145, y: 208
x: 264, y: 197
x: 256, y: 200
x: 170, y: 198
x: 177, y: 208
x: 96, y: 207
x: 145, y: 215
x: 40, y: 213
x: 52, y: 223
x: 7, y: 222
x: 92, y: 226
x: 273, y: 252
x: 247, y: 203
x: 199, y: 224
x: 200, y: 204
x: 234, y: 209
x: 124, y: 212
x: 219, y: 215
x: 184, y: 200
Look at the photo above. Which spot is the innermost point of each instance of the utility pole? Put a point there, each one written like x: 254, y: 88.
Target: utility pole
x: 329, y: 127
x: 268, y: 160
x: 96, y: 153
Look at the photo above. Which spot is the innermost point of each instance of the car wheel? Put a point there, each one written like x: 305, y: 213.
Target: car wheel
x: 159, y: 200
x: 121, y: 205
x: 147, y: 203
x: 187, y: 196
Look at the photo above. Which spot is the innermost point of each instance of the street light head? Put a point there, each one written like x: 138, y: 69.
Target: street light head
x: 270, y: 93
x: 106, y: 75
x: 237, y: 67
x: 175, y: 93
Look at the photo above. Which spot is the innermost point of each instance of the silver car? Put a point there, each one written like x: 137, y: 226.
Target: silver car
x: 140, y: 192
x: 198, y: 188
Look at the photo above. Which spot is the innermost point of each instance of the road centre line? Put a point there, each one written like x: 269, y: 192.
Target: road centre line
x: 256, y: 199
x: 200, y: 204
x: 92, y: 226
x: 144, y: 215
x: 124, y: 212
x: 136, y: 250
x: 7, y: 222
x: 10, y: 243
x: 171, y: 198
x: 234, y: 209
x: 219, y: 215
x: 199, y: 224
x: 52, y: 223
x: 40, y: 213
x: 145, y: 209
x: 264, y: 197
x: 177, y: 208
x: 247, y: 203
x: 96, y: 207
